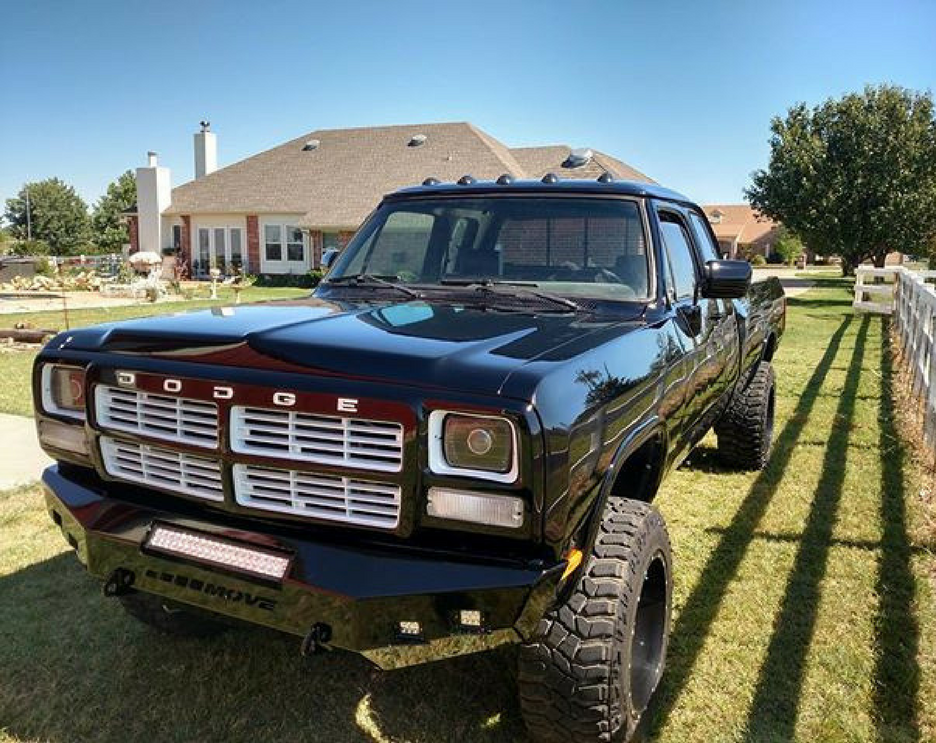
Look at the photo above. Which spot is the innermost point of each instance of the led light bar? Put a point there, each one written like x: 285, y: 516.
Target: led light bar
x: 479, y: 508
x: 215, y: 551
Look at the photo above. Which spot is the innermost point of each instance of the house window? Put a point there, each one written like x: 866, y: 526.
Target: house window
x: 177, y: 237
x: 283, y: 242
x: 295, y: 248
x: 331, y: 241
x: 273, y: 239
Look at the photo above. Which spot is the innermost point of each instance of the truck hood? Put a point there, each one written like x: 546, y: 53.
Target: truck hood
x: 419, y: 343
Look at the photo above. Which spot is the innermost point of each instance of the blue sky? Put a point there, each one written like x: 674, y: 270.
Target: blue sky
x: 683, y: 91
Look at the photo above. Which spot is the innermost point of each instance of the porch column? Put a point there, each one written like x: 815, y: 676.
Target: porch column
x: 253, y: 244
x: 185, y: 241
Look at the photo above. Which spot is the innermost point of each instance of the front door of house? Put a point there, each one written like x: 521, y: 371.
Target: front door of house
x: 221, y: 248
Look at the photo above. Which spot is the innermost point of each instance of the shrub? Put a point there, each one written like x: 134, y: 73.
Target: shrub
x: 30, y: 247
x: 295, y: 280
x: 758, y: 260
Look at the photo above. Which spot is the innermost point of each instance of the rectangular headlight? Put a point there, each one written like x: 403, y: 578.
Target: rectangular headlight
x: 63, y: 390
x: 478, y: 508
x: 468, y: 444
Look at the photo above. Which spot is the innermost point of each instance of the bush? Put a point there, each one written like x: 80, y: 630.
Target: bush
x: 758, y: 260
x: 30, y: 247
x: 295, y: 280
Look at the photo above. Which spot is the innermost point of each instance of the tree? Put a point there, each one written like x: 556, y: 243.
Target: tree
x: 855, y: 176
x: 788, y: 246
x: 110, y: 233
x: 57, y: 216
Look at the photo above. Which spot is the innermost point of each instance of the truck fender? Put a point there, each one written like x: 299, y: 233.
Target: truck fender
x: 650, y: 428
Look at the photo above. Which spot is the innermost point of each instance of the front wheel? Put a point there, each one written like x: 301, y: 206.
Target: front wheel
x: 596, y: 660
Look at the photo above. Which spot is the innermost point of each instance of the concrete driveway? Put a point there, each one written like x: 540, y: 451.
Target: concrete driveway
x: 21, y: 459
x: 792, y: 285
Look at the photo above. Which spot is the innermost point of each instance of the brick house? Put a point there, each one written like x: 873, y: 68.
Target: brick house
x: 275, y: 212
x: 741, y: 231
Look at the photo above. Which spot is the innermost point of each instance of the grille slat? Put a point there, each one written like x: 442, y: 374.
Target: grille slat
x: 321, y: 439
x: 318, y: 496
x: 175, y: 419
x: 162, y: 468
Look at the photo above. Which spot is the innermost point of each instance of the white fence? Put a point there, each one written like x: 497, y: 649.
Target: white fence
x: 912, y: 301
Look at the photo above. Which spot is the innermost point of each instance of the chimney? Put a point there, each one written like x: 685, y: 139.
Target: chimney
x: 154, y: 194
x: 206, y: 150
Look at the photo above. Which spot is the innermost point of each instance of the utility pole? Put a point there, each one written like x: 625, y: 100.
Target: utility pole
x: 28, y: 216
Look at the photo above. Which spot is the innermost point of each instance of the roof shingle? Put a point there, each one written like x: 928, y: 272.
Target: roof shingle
x: 338, y: 183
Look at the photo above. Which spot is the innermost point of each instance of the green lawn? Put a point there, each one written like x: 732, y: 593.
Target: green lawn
x: 15, y: 396
x: 804, y: 608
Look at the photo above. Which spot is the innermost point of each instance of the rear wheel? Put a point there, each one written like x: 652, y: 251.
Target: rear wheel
x: 169, y: 617
x: 745, y: 432
x: 596, y: 660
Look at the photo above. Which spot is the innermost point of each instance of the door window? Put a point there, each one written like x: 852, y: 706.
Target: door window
x: 204, y: 250
x: 237, y: 256
x: 679, y: 252
x: 707, y: 248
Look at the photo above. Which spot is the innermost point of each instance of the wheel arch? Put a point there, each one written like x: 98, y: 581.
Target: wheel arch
x: 642, y: 454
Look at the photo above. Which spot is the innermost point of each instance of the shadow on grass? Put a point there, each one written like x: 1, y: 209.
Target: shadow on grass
x: 696, y: 617
x: 776, y: 697
x: 75, y: 668
x: 897, y: 635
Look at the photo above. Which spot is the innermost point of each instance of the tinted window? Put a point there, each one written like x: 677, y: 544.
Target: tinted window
x: 707, y: 247
x: 583, y: 247
x: 682, y: 267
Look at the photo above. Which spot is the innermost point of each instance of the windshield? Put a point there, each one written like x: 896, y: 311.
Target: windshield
x: 574, y: 246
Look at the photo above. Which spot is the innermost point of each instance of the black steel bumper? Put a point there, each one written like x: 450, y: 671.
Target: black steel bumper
x: 361, y: 595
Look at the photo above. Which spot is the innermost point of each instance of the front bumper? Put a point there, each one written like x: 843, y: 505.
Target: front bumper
x: 360, y: 593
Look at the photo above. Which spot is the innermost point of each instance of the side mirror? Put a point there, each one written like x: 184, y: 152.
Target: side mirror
x: 328, y: 257
x: 726, y: 279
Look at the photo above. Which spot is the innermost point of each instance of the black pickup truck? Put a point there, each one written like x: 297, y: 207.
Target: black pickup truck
x: 450, y: 445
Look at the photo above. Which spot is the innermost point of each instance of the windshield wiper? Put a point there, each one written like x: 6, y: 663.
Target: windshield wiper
x: 370, y: 279
x: 510, y: 288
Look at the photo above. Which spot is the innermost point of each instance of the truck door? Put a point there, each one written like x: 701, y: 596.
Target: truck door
x: 725, y: 338
x: 704, y: 324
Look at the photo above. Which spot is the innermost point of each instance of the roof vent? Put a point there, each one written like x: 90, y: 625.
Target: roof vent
x: 605, y: 177
x: 578, y: 157
x: 416, y: 140
x: 312, y: 144
x: 430, y: 181
x: 466, y: 180
x: 505, y: 180
x: 550, y: 178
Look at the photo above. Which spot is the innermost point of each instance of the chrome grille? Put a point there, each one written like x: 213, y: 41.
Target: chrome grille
x: 322, y: 439
x: 175, y: 419
x: 163, y: 468
x: 318, y: 496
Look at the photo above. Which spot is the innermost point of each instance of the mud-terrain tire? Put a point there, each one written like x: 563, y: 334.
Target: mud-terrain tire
x: 169, y: 617
x: 591, y: 669
x: 745, y: 432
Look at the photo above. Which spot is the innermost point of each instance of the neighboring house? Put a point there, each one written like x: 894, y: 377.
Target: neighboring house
x: 741, y: 231
x: 275, y: 212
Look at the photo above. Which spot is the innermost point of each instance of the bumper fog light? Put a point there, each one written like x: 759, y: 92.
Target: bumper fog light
x: 64, y: 436
x: 409, y: 630
x: 470, y: 618
x: 479, y: 508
